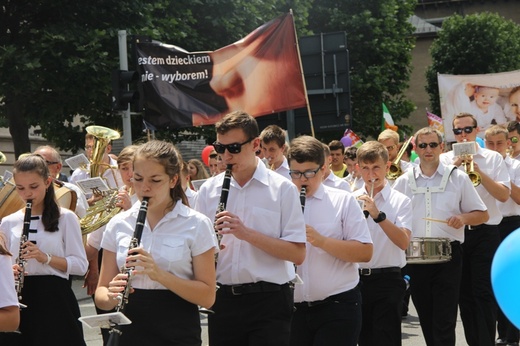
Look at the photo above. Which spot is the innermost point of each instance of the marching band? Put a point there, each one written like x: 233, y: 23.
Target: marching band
x: 269, y: 271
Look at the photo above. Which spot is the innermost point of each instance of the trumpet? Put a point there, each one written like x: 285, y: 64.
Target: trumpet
x: 395, y: 170
x: 23, y: 239
x: 467, y: 163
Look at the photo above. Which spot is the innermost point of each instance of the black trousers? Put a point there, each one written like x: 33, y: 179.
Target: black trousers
x: 435, y: 294
x: 478, y: 307
x: 382, y: 296
x: 333, y: 322
x: 254, y: 319
x: 506, y: 330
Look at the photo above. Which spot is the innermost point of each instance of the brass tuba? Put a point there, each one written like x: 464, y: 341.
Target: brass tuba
x: 104, y: 209
x: 395, y: 171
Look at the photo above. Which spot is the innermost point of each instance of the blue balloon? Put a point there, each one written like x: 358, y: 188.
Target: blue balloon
x: 480, y: 142
x: 505, y: 277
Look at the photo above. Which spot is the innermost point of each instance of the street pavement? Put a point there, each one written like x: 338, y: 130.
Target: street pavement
x: 412, y: 335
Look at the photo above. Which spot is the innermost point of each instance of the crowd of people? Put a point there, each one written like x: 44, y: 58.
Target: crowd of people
x: 282, y: 243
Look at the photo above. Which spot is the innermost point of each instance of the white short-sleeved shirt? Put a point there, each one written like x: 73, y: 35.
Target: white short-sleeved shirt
x: 459, y: 197
x: 510, y: 208
x: 269, y: 204
x: 81, y: 201
x: 493, y: 165
x: 8, y: 293
x: 355, y: 183
x: 336, y: 214
x: 66, y: 242
x: 336, y: 182
x: 284, y: 169
x: 181, y: 235
x: 398, y: 209
x: 191, y: 195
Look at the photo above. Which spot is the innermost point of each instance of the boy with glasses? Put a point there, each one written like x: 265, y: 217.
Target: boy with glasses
x: 389, y: 219
x: 478, y: 308
x: 263, y: 234
x: 328, y: 310
x: 443, y: 201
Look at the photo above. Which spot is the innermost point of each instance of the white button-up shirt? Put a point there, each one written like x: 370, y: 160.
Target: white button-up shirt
x: 510, y: 208
x: 459, y: 197
x: 8, y: 296
x: 492, y: 164
x: 268, y: 203
x: 65, y: 242
x: 179, y: 236
x: 334, y: 181
x: 398, y: 209
x: 335, y: 214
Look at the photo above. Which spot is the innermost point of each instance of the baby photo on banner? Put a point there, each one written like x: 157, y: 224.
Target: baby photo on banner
x: 492, y: 98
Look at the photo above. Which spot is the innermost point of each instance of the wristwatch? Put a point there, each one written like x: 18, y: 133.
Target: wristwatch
x: 381, y: 217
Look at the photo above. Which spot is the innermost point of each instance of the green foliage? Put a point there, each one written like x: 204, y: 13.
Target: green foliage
x: 475, y: 44
x: 379, y: 39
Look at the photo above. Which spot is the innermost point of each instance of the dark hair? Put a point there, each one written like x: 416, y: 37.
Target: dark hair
x: 335, y: 145
x: 371, y: 151
x: 273, y: 133
x: 51, y: 209
x: 169, y: 157
x: 408, y: 149
x: 351, y: 153
x: 513, y: 125
x: 238, y: 120
x: 306, y: 149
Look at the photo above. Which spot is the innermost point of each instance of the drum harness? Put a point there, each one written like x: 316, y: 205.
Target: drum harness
x: 428, y: 193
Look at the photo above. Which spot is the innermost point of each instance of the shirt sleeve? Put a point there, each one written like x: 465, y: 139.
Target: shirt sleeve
x: 205, y: 238
x: 75, y: 255
x: 8, y: 295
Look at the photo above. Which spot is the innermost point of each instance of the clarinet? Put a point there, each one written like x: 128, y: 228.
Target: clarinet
x: 303, y: 195
x: 23, y: 239
x: 224, y: 196
x: 115, y: 332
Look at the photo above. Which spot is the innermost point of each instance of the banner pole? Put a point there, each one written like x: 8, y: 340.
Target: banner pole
x: 123, y: 65
x: 303, y: 77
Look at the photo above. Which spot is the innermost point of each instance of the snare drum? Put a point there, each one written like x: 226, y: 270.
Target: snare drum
x: 428, y: 250
x: 10, y: 201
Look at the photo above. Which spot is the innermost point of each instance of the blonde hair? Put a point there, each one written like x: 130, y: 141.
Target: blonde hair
x: 388, y: 134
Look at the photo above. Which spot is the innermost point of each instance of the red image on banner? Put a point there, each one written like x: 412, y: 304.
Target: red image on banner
x: 259, y: 74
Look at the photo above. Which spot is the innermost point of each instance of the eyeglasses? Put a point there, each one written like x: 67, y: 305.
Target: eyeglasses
x: 467, y: 129
x: 307, y: 174
x: 431, y: 145
x: 391, y: 147
x: 233, y: 148
x: 89, y: 147
x: 514, y: 139
x: 51, y: 162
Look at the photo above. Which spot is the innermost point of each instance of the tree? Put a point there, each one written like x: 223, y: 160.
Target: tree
x: 379, y: 40
x: 475, y: 44
x: 57, y: 56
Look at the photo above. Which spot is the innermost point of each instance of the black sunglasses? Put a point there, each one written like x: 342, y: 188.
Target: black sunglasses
x: 431, y: 144
x: 233, y: 148
x: 467, y: 129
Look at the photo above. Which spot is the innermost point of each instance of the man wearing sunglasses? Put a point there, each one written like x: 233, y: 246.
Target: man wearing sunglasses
x: 443, y: 200
x: 263, y: 234
x: 478, y: 308
x: 497, y: 140
x: 513, y: 128
x: 390, y: 139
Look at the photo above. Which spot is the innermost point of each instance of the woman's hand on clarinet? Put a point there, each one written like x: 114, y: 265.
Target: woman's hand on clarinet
x: 117, y: 286
x: 144, y: 264
x: 30, y: 251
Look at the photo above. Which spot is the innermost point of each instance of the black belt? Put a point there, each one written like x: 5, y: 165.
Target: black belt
x: 329, y: 299
x: 370, y: 271
x: 481, y: 226
x: 511, y: 218
x: 257, y: 287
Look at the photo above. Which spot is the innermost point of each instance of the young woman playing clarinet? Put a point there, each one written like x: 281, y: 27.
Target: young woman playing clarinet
x: 9, y: 311
x: 52, y: 252
x: 174, y: 264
